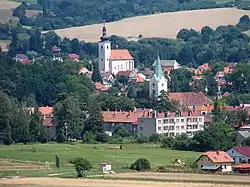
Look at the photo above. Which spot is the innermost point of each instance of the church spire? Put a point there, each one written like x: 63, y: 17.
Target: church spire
x: 158, y: 70
x: 104, y: 36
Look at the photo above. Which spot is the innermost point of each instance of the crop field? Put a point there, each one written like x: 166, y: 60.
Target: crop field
x: 165, y: 25
x: 6, y: 8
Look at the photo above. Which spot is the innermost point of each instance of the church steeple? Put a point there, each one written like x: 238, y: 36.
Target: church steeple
x: 104, y: 36
x: 158, y: 70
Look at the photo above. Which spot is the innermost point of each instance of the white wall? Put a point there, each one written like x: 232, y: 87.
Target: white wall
x: 158, y: 86
x: 104, y: 55
x: 121, y: 65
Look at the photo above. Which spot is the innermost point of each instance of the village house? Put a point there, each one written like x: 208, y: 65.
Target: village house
x: 113, y: 61
x: 215, y: 161
x: 171, y: 124
x: 240, y: 154
x: 22, y: 58
x: 195, y: 101
x: 203, y: 68
x: 114, y: 119
x: 100, y: 87
x: 56, y: 53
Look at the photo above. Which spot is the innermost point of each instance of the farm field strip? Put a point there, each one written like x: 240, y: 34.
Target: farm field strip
x: 165, y: 25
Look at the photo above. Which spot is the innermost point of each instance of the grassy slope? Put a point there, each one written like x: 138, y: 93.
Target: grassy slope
x: 47, y: 152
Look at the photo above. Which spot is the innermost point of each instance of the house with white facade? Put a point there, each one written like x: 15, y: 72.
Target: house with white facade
x: 171, y: 124
x: 158, y: 82
x: 240, y: 154
x: 113, y: 61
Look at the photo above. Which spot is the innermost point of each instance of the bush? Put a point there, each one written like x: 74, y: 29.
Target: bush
x: 81, y: 165
x: 141, y: 164
x: 142, y: 139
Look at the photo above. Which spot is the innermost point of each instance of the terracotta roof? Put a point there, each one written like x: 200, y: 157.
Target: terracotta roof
x: 121, y: 54
x: 190, y: 98
x: 124, y: 73
x: 47, y: 122
x: 242, y: 166
x: 244, y: 150
x: 46, y: 110
x: 133, y: 116
x: 74, y: 56
x: 25, y: 61
x: 56, y: 49
x: 218, y: 157
x: 99, y: 86
x: 204, y: 67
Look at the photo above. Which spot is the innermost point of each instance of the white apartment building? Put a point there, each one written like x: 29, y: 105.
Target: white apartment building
x: 171, y: 124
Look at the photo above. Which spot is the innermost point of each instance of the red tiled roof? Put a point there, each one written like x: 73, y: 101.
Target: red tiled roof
x: 205, y: 67
x: 190, y: 98
x: 99, y: 86
x: 124, y: 73
x: 121, y: 54
x: 244, y: 150
x: 46, y: 110
x: 242, y: 166
x: 56, y: 49
x: 25, y: 61
x: 218, y: 157
x: 74, y: 56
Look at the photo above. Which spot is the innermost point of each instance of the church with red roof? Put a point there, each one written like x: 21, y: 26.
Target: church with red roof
x: 113, y: 60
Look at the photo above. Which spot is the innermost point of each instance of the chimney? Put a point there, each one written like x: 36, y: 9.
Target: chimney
x: 189, y: 113
x: 135, y: 109
x: 166, y: 114
x: 217, y: 152
x: 129, y: 113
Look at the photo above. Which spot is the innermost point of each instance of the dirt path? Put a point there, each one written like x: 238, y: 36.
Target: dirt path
x: 184, y: 177
x: 56, y: 182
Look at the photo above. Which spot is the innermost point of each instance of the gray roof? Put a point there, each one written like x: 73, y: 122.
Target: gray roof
x: 244, y: 134
x: 165, y: 63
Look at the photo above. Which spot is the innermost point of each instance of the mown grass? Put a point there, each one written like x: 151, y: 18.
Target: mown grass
x: 96, y: 154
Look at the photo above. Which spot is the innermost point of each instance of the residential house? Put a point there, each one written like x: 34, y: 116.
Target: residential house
x: 137, y: 78
x: 171, y: 124
x: 147, y: 73
x: 47, y: 116
x: 242, y: 168
x: 22, y: 58
x: 204, y: 68
x: 100, y: 87
x: 107, y: 78
x: 240, y: 154
x: 242, y: 135
x: 195, y: 101
x: 114, y: 119
x: 84, y: 70
x: 213, y: 161
x: 168, y: 65
x: 74, y: 57
x: 124, y: 73
x: 56, y: 51
x: 220, y: 76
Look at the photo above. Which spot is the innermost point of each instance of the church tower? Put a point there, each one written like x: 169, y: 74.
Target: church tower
x: 158, y: 82
x: 104, y: 51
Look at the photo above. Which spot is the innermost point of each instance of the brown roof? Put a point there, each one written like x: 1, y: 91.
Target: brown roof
x: 99, y: 86
x: 218, y: 157
x: 124, y: 73
x: 121, y: 54
x: 190, y: 98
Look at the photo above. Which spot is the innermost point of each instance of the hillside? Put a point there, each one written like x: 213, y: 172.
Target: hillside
x: 158, y: 25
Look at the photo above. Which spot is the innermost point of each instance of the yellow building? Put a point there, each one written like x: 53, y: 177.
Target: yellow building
x: 215, y: 161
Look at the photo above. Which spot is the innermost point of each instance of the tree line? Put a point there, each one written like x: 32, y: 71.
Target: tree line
x: 57, y: 14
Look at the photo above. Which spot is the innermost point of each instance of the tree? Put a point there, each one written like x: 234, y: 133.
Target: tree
x: 131, y: 92
x: 94, y: 122
x: 141, y: 164
x: 163, y: 104
x: 69, y: 119
x: 96, y: 76
x: 37, y: 131
x: 82, y: 165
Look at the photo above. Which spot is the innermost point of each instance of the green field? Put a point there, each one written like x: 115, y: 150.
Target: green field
x: 102, y: 153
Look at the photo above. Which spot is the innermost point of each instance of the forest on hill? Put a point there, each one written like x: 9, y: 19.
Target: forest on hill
x: 57, y: 14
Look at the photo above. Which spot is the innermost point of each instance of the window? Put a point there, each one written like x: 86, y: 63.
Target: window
x: 201, y: 166
x: 182, y: 120
x: 177, y: 120
x: 225, y: 166
x: 171, y: 121
x: 107, y: 46
x: 159, y: 128
x: 165, y: 121
x: 232, y: 151
x: 171, y: 128
x: 200, y: 119
x: 162, y: 85
x: 159, y: 121
x: 153, y: 84
x: 165, y: 128
x: 182, y: 127
x: 154, y: 92
x: 201, y: 159
x: 177, y: 134
x: 101, y: 59
x: 177, y: 128
x: 194, y: 119
x: 101, y: 47
x: 195, y: 126
x: 240, y: 160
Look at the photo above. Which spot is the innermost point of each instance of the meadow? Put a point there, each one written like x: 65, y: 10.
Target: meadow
x: 96, y: 154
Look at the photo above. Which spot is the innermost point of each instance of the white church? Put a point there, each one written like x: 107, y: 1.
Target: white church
x: 113, y: 61
x: 158, y: 82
